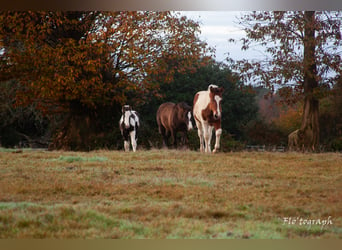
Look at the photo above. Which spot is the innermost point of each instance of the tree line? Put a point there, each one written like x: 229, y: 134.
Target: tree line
x: 65, y: 76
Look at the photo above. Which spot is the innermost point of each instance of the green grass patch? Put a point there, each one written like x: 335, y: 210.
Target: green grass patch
x: 14, y: 205
x: 71, y: 159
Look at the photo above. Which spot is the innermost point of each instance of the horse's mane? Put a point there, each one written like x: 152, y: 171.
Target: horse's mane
x: 212, y: 86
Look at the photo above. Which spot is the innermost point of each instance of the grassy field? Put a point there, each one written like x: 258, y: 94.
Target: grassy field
x: 169, y: 194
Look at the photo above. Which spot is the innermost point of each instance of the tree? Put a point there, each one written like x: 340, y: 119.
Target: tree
x: 87, y: 64
x: 302, y: 50
x: 331, y: 118
x: 238, y: 104
x: 19, y: 126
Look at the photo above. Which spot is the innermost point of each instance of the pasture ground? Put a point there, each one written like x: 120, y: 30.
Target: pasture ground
x: 169, y: 194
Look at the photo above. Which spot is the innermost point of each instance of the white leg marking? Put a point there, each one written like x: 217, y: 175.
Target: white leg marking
x: 210, y: 130
x: 217, y: 142
x: 207, y: 134
x: 126, y: 146
x: 133, y: 141
x: 190, y: 123
x: 200, y: 134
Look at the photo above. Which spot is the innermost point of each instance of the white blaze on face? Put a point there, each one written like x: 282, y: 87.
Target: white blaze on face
x: 218, y: 100
x: 189, y: 121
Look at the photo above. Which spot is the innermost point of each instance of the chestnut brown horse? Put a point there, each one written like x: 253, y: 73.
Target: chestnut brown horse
x: 173, y: 118
x: 207, y: 113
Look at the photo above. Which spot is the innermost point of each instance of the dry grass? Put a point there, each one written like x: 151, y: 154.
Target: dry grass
x: 168, y: 194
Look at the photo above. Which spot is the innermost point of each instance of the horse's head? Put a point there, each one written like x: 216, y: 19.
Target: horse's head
x: 126, y: 113
x: 215, y: 94
x: 184, y: 114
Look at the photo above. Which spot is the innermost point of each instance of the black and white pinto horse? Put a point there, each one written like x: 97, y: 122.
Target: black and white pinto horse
x: 207, y: 112
x: 129, y: 124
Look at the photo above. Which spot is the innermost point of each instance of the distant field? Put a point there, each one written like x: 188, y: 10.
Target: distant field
x: 169, y: 194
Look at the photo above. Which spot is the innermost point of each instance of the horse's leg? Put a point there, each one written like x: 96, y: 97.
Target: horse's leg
x: 207, y: 134
x: 218, y: 133
x: 126, y: 145
x: 163, y: 132
x: 125, y: 135
x: 185, y: 139
x: 166, y: 138
x: 182, y: 138
x: 210, y: 135
x: 174, y: 137
x: 133, y: 140
x: 200, y: 134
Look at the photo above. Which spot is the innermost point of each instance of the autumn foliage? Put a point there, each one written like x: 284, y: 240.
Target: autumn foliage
x: 92, y: 57
x: 77, y: 63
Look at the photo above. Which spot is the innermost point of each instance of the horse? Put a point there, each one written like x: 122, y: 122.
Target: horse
x: 207, y: 112
x: 129, y: 124
x: 172, y: 118
x: 295, y: 140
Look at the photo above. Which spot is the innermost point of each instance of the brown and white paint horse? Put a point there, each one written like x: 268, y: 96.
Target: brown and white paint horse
x: 129, y: 124
x: 207, y: 113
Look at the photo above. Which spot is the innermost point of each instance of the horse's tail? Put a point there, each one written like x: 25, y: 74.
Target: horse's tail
x: 159, y: 121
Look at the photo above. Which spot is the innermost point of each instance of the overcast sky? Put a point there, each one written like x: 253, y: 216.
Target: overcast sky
x: 217, y: 27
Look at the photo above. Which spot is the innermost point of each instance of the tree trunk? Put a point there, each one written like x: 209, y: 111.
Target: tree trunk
x: 76, y: 130
x: 85, y: 129
x: 73, y: 134
x: 310, y: 125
